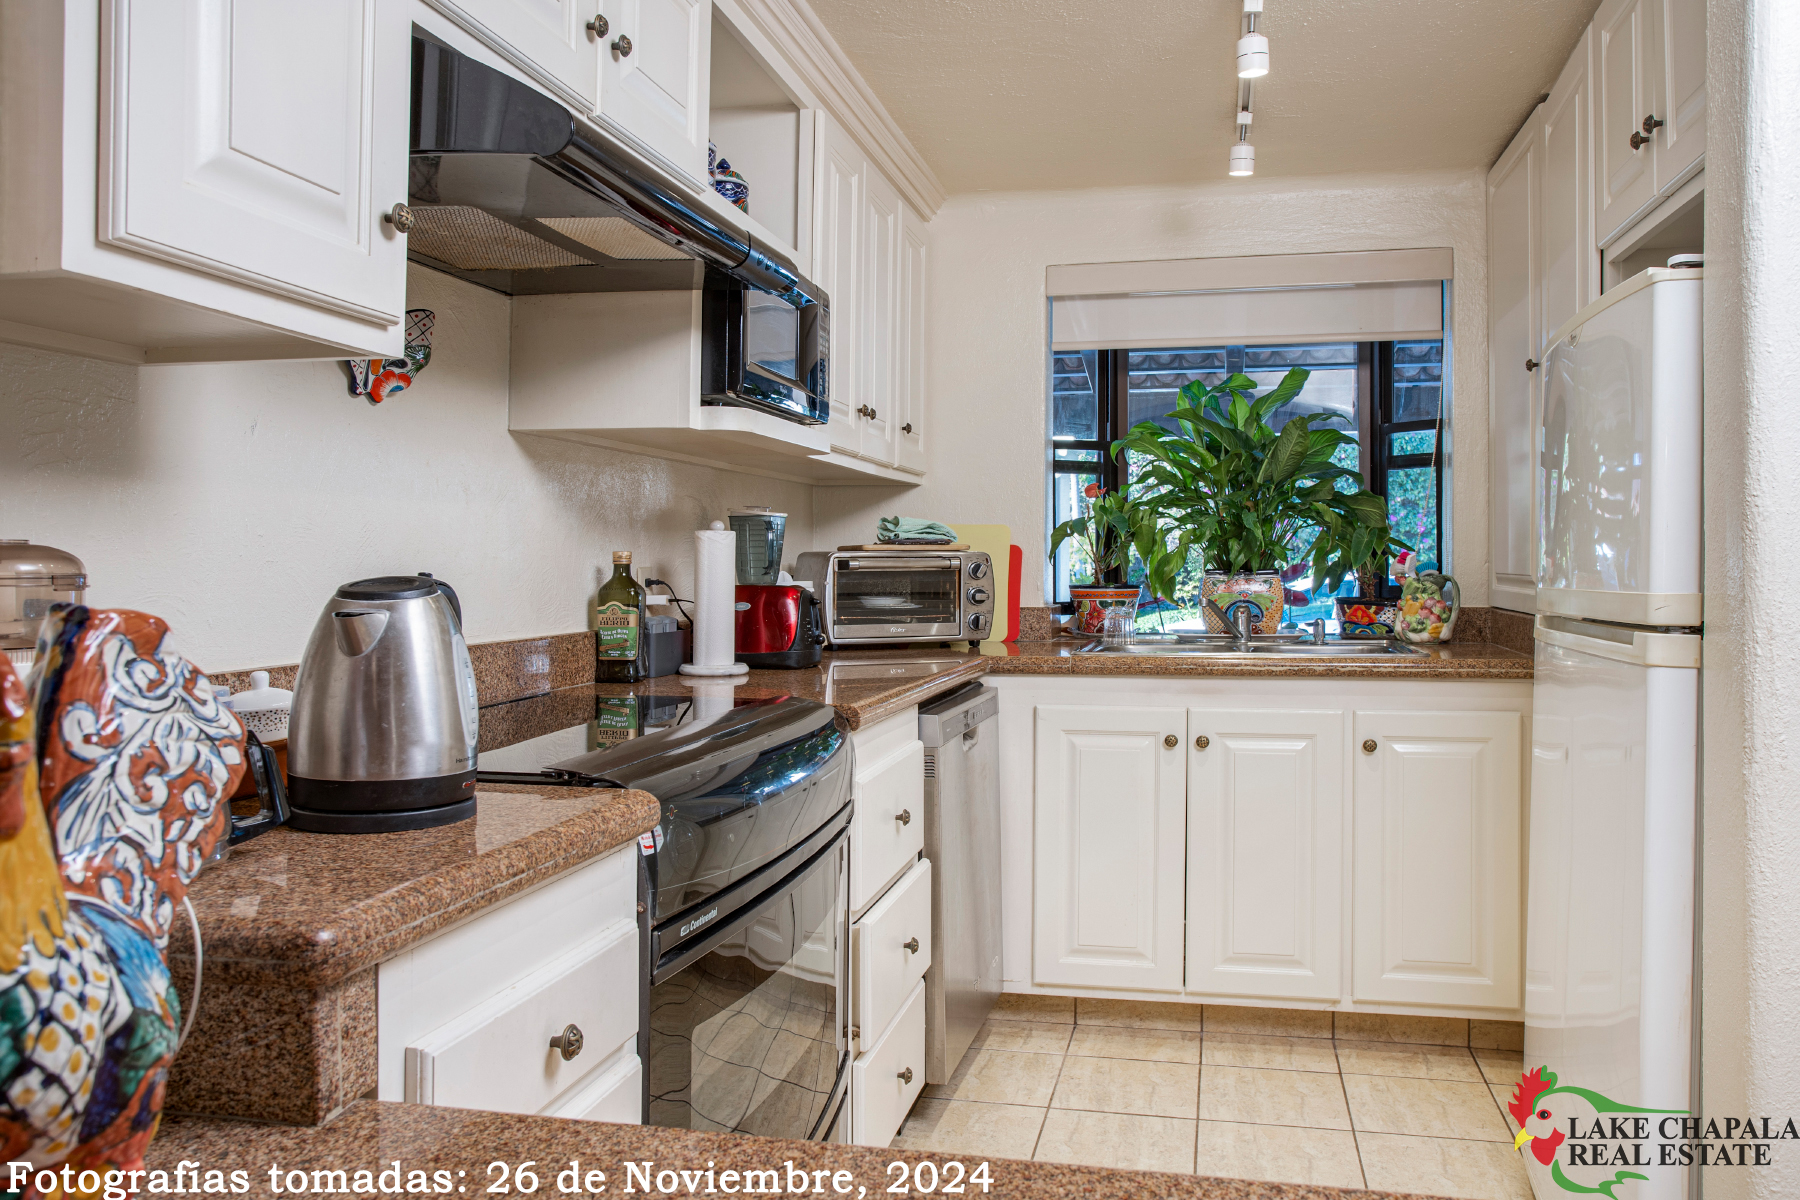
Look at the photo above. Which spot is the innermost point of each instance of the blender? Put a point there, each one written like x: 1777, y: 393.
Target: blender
x: 778, y: 623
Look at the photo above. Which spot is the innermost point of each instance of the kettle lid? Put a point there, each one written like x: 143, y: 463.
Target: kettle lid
x: 389, y: 587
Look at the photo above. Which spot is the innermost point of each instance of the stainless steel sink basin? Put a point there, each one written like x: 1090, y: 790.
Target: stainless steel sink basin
x: 1163, y: 646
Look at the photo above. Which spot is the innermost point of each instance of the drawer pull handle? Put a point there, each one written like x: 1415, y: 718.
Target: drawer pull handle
x: 568, y: 1042
x: 912, y: 945
x: 904, y: 816
x: 1369, y: 746
x: 904, y: 1076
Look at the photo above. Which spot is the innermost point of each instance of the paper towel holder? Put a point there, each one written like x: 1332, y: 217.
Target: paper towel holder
x: 715, y: 583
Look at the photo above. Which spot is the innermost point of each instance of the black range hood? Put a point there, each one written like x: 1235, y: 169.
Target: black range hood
x: 511, y: 191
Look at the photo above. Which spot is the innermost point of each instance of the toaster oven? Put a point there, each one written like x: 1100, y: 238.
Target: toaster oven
x: 907, y: 594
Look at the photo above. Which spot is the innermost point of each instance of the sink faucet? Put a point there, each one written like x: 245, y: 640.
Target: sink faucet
x: 1242, y: 624
x: 1318, y: 631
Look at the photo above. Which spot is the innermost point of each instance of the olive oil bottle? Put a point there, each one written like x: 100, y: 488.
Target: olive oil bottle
x: 619, y: 624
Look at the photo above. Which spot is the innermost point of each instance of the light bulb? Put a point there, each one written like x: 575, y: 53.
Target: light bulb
x: 1243, y: 158
x: 1252, y: 56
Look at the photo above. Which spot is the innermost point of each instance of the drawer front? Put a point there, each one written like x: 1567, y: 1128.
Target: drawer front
x: 889, y: 823
x: 880, y: 1093
x: 616, y: 1094
x: 498, y: 1056
x: 885, y: 969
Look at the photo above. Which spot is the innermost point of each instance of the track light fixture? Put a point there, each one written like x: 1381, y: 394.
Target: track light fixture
x: 1252, y: 47
x: 1243, y: 154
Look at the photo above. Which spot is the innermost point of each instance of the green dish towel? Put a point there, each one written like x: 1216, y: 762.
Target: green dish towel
x: 912, y: 531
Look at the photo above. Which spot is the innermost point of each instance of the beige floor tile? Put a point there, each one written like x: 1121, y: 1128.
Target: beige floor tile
x: 1251, y: 1096
x: 1501, y: 1066
x: 1497, y: 1035
x: 1118, y: 1085
x: 1150, y: 1045
x: 1502, y: 1097
x: 1278, y: 1154
x: 1269, y: 1022
x: 1439, y: 1167
x: 1416, y: 1061
x: 1117, y: 1140
x: 1138, y: 1014
x: 1269, y: 1053
x: 1387, y: 1027
x: 1036, y: 1037
x: 1001, y: 1077
x: 1437, y: 1108
x: 1016, y: 1006
x: 959, y: 1127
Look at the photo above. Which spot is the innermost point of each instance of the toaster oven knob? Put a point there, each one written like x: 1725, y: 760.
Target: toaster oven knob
x: 977, y: 569
x: 978, y: 595
x: 976, y: 621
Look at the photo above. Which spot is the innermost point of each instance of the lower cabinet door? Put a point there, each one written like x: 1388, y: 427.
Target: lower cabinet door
x: 1265, y: 839
x: 891, y: 948
x: 1437, y: 861
x: 888, y: 825
x: 888, y: 1077
x: 615, y: 1094
x: 1110, y: 803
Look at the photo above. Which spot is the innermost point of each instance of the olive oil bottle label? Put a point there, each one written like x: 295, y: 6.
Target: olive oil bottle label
x: 617, y: 625
x: 615, y: 721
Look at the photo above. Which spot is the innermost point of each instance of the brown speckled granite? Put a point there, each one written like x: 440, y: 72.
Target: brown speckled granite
x: 503, y: 670
x: 1451, y: 660
x: 1512, y: 630
x: 1038, y: 624
x: 373, y: 1134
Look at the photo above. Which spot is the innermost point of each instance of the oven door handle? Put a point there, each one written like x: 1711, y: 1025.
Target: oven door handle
x: 899, y: 564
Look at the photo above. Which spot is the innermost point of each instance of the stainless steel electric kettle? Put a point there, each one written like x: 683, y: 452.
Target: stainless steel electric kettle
x: 382, y: 734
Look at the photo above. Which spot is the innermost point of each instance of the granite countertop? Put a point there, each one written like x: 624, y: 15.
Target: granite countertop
x: 1448, y: 660
x: 374, y: 1135
x: 307, y: 910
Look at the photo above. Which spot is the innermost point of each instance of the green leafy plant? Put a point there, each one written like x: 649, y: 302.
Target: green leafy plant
x: 1113, y: 523
x: 1242, y: 493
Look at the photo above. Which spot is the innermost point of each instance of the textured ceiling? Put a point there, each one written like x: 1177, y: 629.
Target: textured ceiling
x: 1023, y: 94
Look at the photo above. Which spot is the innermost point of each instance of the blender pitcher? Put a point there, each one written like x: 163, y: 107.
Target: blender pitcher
x: 760, y: 533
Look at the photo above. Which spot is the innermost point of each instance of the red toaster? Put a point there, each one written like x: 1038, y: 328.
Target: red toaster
x: 778, y: 625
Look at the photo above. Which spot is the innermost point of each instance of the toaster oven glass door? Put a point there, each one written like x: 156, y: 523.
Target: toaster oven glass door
x: 889, y: 596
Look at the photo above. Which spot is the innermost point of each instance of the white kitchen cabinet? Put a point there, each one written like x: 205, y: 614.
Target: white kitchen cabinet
x: 203, y: 180
x: 655, y: 77
x: 887, y: 1078
x: 1624, y: 35
x: 554, y: 42
x: 1110, y: 811
x: 837, y: 267
x: 890, y: 950
x: 878, y: 317
x: 1568, y: 264
x: 909, y: 436
x: 1681, y: 141
x: 1437, y: 864
x: 1265, y: 836
x: 889, y: 823
x: 1513, y: 350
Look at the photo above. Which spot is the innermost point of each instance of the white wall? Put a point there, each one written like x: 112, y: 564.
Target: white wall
x: 989, y: 329
x: 232, y: 499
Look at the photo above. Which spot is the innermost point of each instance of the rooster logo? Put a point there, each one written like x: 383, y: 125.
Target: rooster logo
x: 1540, y: 1106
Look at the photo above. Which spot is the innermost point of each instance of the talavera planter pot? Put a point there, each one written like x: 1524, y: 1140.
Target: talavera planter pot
x: 1261, y: 591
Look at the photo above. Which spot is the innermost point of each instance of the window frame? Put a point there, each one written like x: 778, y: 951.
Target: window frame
x: 1109, y: 369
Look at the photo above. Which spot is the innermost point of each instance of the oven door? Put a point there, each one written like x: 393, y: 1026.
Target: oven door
x: 887, y: 596
x: 746, y: 1029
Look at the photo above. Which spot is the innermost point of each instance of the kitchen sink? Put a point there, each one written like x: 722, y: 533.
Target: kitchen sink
x: 1162, y: 646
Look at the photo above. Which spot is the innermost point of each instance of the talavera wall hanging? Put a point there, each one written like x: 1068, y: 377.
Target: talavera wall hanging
x: 379, y: 378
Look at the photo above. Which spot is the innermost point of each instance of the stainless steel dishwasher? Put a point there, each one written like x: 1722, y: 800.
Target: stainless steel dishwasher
x: 962, y: 840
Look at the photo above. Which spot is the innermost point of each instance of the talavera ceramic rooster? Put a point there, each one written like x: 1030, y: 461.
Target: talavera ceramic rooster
x: 114, y: 768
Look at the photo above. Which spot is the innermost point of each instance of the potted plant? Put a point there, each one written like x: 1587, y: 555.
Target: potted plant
x: 1225, y: 483
x: 1112, y: 524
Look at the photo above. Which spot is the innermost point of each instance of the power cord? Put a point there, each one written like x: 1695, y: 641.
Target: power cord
x: 679, y: 602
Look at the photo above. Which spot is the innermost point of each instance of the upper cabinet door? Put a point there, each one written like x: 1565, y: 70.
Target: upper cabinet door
x: 909, y: 438
x: 654, y: 76
x: 837, y: 215
x: 1437, y: 860
x: 547, y: 39
x: 1109, y: 812
x: 261, y: 141
x: 1624, y: 34
x: 1682, y: 139
x: 878, y: 337
x: 1265, y: 853
x: 1512, y: 382
x: 1568, y: 264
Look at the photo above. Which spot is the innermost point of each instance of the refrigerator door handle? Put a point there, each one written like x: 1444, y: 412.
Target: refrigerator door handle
x: 1641, y: 647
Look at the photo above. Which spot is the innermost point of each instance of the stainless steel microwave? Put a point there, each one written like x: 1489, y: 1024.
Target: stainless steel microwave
x: 908, y: 594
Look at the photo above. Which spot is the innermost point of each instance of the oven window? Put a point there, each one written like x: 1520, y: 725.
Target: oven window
x: 891, y: 596
x: 747, y: 1039
x: 772, y: 336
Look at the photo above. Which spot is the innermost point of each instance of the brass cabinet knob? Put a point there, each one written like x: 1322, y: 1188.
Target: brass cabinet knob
x: 1171, y: 741
x: 622, y: 46
x: 912, y: 945
x: 1651, y: 124
x: 1202, y: 742
x: 906, y: 428
x: 904, y: 1076
x: 568, y: 1042
x: 401, y: 218
x: 904, y: 816
x: 1532, y: 364
x: 1369, y: 746
x: 598, y: 25
x: 1639, y: 141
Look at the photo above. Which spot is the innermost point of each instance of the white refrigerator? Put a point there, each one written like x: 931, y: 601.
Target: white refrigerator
x: 1609, y: 948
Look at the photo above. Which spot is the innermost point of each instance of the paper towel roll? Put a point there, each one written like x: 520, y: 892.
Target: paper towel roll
x: 715, y: 605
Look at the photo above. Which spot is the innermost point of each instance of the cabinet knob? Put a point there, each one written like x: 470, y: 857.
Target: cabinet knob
x: 904, y: 816
x: 598, y: 25
x: 568, y: 1042
x: 904, y: 1076
x: 1171, y: 741
x: 1639, y: 141
x: 912, y: 945
x: 1369, y: 746
x: 1202, y: 742
x: 1651, y: 124
x: 906, y: 428
x: 1532, y: 364
x: 401, y: 218
x: 622, y: 46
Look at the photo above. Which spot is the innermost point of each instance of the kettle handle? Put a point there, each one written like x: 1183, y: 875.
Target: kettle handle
x: 450, y: 592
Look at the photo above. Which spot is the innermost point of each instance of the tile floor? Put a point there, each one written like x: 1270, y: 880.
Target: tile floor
x: 1405, y: 1104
